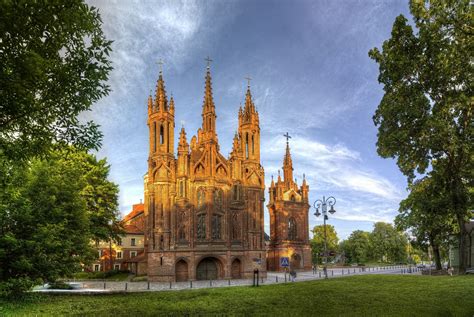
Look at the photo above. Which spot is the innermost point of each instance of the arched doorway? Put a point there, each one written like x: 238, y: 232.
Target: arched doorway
x: 295, y: 261
x: 236, y: 269
x: 181, y: 271
x: 208, y: 269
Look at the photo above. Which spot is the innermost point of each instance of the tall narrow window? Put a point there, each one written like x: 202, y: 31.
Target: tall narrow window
x: 292, y: 229
x: 253, y: 146
x: 168, y: 134
x: 201, y: 227
x: 154, y: 136
x: 246, y: 145
x: 162, y: 134
x: 216, y: 227
x: 181, y: 190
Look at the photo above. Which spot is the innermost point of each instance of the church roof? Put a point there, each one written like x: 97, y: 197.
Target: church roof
x: 132, y: 229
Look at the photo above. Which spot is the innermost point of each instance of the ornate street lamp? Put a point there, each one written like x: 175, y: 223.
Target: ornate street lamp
x: 323, y: 206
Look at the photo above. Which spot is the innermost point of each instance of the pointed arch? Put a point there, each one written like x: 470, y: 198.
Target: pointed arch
x: 154, y: 136
x: 162, y: 134
x: 292, y: 231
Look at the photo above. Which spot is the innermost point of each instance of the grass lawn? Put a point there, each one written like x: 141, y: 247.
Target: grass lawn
x: 369, y: 295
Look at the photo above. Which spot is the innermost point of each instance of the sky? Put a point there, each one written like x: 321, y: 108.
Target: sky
x: 311, y: 77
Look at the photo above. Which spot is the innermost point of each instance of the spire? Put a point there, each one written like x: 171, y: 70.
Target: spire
x: 304, y: 180
x: 160, y: 95
x: 183, y: 143
x: 150, y: 102
x: 287, y: 164
x: 171, y: 107
x: 208, y: 100
x: 273, y: 183
x: 279, y: 177
x: 236, y: 145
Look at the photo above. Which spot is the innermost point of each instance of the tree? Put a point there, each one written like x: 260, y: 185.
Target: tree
x: 425, y: 118
x: 426, y: 213
x: 317, y: 243
x: 357, y: 247
x: 388, y: 245
x: 54, y: 65
x: 46, y: 219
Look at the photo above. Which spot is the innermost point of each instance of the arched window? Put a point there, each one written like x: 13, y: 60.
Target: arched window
x: 246, y: 145
x: 154, y: 136
x: 200, y: 199
x: 292, y: 229
x: 292, y: 198
x: 218, y: 200
x: 181, y: 188
x: 168, y: 143
x: 253, y: 146
x: 162, y: 134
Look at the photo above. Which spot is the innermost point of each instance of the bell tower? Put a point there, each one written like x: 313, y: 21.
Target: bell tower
x: 289, y: 227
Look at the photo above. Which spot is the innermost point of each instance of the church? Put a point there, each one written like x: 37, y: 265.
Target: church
x: 204, y: 212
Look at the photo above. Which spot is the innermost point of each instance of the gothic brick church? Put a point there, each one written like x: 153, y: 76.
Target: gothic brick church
x: 203, y: 211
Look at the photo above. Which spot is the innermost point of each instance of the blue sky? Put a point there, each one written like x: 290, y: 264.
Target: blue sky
x: 311, y: 76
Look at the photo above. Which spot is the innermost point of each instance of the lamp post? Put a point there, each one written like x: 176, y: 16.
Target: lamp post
x: 323, y: 204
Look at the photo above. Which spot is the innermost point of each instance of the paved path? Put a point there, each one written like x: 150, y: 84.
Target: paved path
x: 272, y: 278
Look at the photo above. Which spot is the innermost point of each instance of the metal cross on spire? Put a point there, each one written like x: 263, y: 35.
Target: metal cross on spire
x: 287, y: 136
x: 208, y: 60
x: 160, y: 62
x: 248, y: 81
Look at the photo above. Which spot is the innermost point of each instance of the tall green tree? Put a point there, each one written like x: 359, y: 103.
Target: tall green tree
x: 357, y: 247
x: 54, y: 64
x: 388, y: 244
x: 425, y: 118
x: 426, y: 213
x: 50, y: 213
x: 317, y: 243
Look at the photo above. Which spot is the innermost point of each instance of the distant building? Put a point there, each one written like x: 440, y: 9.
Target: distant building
x: 129, y: 252
x: 469, y: 247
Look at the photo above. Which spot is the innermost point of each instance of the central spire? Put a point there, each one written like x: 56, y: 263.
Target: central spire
x: 208, y: 107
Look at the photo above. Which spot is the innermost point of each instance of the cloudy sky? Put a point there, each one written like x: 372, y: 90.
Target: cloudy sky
x: 311, y: 76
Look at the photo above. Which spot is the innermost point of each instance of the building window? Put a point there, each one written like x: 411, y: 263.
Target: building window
x: 100, y: 253
x: 292, y: 229
x: 119, y: 254
x: 162, y: 134
x: 132, y: 242
x: 96, y: 267
x: 181, y: 188
x: 253, y: 146
x: 154, y: 136
x: 119, y: 241
x: 200, y: 199
x: 117, y: 267
x: 201, y: 227
x: 218, y: 199
x: 216, y: 227
x: 246, y: 145
x: 133, y: 254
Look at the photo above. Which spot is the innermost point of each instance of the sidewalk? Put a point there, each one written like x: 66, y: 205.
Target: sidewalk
x: 97, y: 287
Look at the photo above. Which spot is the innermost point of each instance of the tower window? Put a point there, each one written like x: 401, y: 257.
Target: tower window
x: 168, y: 143
x: 154, y: 136
x: 246, y: 145
x: 162, y: 134
x: 253, y: 147
x: 292, y: 229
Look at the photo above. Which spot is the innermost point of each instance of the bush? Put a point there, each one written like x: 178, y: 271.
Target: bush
x: 15, y: 287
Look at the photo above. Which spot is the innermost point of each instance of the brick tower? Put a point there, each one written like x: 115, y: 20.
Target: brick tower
x: 289, y: 227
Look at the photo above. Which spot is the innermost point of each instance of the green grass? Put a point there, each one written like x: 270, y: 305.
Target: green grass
x: 369, y: 295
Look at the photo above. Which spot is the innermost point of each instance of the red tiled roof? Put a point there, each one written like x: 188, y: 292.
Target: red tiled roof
x: 137, y: 209
x: 132, y: 229
x: 139, y: 258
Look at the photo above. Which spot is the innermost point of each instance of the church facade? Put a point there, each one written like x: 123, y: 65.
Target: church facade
x: 204, y: 212
x: 288, y: 207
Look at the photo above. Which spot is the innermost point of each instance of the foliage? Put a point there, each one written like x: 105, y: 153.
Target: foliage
x: 388, y: 244
x: 357, y: 247
x: 425, y: 118
x: 367, y: 295
x: 317, y: 243
x: 46, y: 227
x: 426, y: 212
x: 54, y: 65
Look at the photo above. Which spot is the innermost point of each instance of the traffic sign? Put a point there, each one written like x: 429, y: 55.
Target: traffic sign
x: 284, y: 262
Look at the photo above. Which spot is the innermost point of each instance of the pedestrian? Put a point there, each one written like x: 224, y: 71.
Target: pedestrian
x: 292, y: 275
x: 450, y: 271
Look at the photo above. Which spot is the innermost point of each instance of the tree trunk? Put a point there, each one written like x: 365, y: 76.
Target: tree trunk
x: 462, y: 244
x: 437, y: 256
